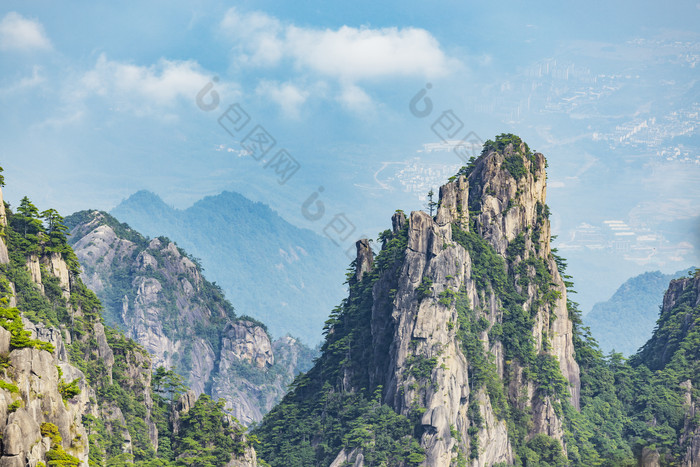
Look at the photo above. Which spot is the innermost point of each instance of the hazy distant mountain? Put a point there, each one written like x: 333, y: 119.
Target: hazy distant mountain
x: 153, y: 291
x: 283, y: 275
x: 626, y: 321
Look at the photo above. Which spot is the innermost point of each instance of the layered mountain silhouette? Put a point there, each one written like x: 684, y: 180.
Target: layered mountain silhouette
x: 285, y: 276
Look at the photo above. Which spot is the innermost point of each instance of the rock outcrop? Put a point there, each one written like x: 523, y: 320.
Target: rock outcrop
x: 4, y: 254
x: 365, y: 258
x: 460, y: 322
x: 157, y: 294
x: 354, y: 458
x: 650, y: 458
x: 504, y: 210
x: 244, y: 341
x: 690, y: 437
x: 31, y: 398
x: 56, y: 266
x: 34, y: 268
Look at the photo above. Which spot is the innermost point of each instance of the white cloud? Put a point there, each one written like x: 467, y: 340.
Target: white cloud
x: 354, y: 98
x: 134, y: 87
x: 258, y: 36
x: 354, y: 54
x: 666, y: 210
x: 288, y: 96
x: 58, y: 123
x: 348, y: 53
x: 25, y: 83
x: 19, y: 33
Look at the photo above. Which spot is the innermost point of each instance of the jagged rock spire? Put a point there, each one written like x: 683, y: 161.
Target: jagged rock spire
x: 4, y: 255
x: 398, y: 220
x: 454, y: 203
x: 365, y: 258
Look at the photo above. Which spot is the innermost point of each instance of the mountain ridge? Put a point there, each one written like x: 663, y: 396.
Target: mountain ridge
x: 229, y: 233
x: 457, y: 332
x: 158, y: 296
x: 74, y: 392
x: 635, y: 307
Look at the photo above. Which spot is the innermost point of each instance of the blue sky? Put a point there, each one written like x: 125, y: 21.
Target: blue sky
x: 99, y: 101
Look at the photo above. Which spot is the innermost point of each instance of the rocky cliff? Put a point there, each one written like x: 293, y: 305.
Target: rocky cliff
x: 667, y: 401
x: 38, y: 419
x: 459, y: 324
x: 157, y: 294
x: 440, y: 274
x: 73, y: 391
x: 634, y: 307
x: 267, y: 266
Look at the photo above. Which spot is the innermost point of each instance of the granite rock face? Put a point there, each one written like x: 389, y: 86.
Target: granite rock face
x: 245, y: 341
x: 157, y: 294
x: 420, y: 323
x: 38, y: 400
x: 690, y: 436
x: 72, y: 389
x: 4, y: 255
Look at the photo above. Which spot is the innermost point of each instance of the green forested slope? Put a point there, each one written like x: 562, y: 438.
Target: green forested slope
x: 124, y: 408
x: 278, y: 273
x: 634, y: 308
x: 628, y: 410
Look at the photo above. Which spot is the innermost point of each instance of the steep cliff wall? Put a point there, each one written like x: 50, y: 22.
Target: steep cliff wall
x: 667, y: 400
x: 4, y: 254
x: 73, y: 391
x: 157, y: 294
x: 442, y: 282
x: 460, y: 323
x: 34, y: 407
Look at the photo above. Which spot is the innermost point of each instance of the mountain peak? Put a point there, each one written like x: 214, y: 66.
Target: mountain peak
x: 143, y: 205
x: 144, y: 195
x: 460, y: 318
x: 507, y: 192
x: 275, y: 271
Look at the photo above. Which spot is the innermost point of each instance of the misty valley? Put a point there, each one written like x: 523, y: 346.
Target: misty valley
x: 455, y: 339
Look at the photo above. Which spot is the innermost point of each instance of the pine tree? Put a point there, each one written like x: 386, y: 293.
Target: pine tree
x: 431, y: 204
x: 28, y: 225
x: 56, y: 230
x: 28, y: 218
x: 167, y: 384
